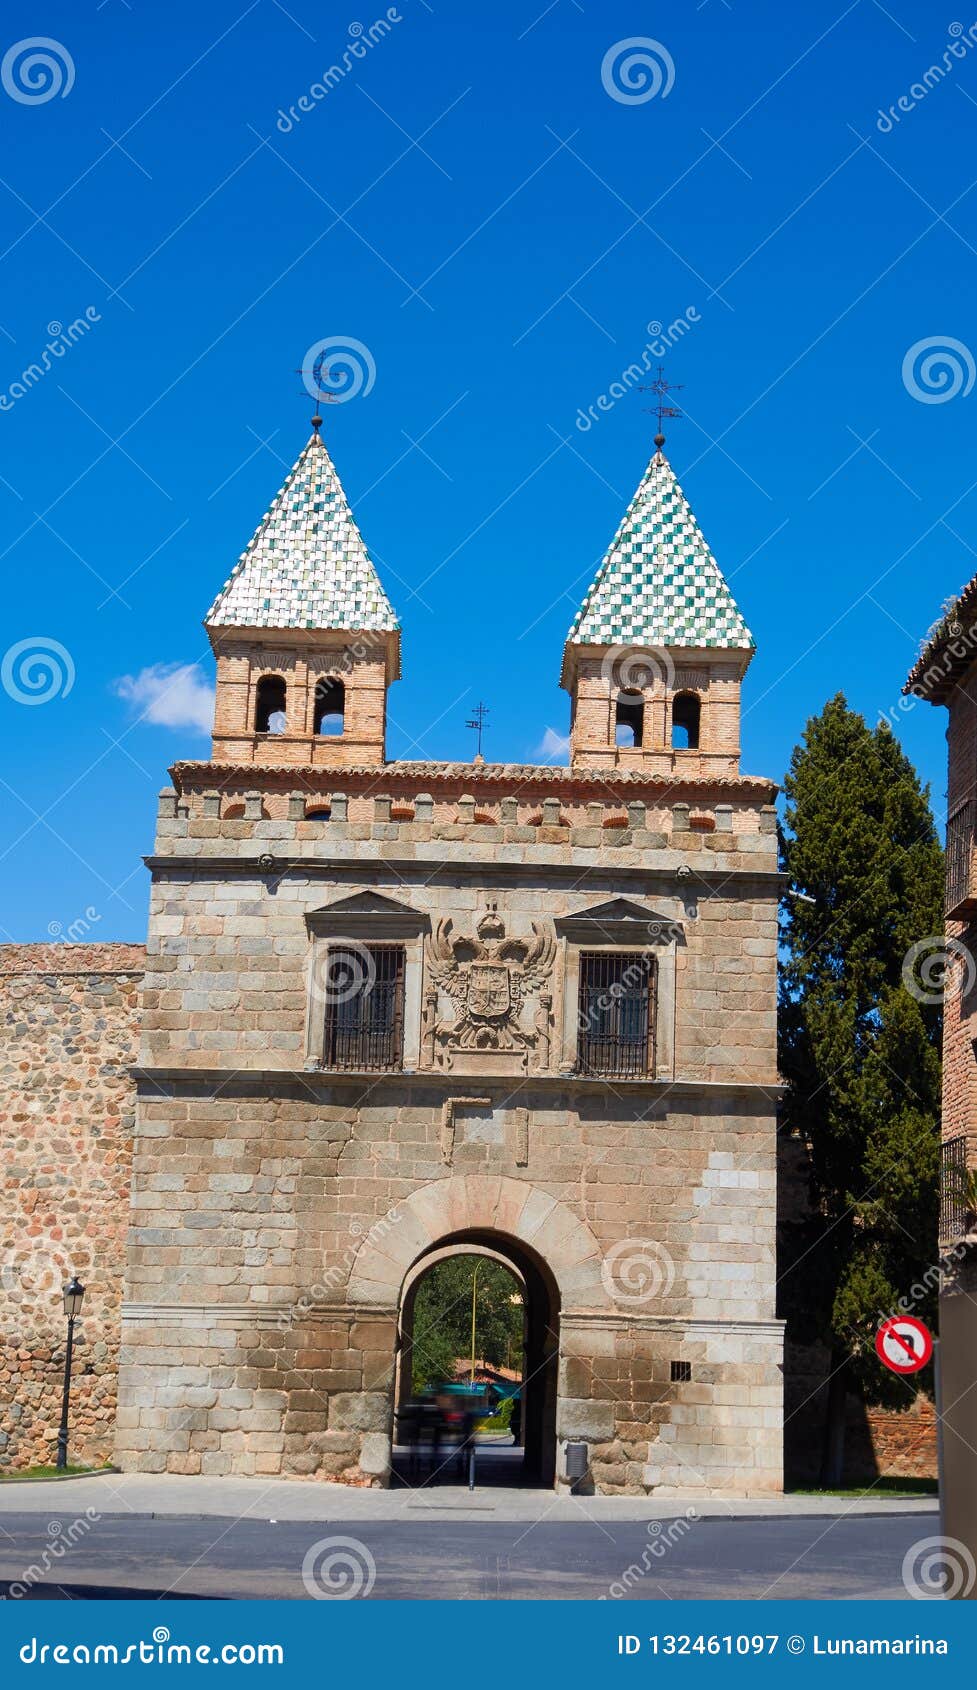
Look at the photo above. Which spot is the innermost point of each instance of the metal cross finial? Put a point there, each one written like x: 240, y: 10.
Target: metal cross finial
x: 661, y: 388
x: 477, y: 723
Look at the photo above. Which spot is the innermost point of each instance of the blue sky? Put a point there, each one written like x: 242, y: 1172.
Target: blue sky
x: 474, y: 203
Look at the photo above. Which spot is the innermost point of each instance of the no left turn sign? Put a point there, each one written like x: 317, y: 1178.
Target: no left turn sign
x: 904, y: 1344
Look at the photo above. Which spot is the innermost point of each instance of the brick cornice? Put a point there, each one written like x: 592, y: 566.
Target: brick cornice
x: 405, y: 779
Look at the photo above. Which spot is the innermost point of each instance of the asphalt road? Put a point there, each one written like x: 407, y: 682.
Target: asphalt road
x: 179, y: 1556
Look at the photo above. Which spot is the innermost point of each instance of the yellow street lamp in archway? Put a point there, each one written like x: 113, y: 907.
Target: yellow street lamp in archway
x: 474, y: 1291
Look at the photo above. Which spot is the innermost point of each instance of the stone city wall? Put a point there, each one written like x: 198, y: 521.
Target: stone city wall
x: 70, y: 1017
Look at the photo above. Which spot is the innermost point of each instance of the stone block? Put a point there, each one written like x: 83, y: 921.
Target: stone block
x: 375, y: 1454
x: 583, y: 1418
x: 360, y: 1411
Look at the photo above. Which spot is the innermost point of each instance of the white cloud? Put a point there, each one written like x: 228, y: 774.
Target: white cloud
x: 176, y: 695
x: 553, y: 747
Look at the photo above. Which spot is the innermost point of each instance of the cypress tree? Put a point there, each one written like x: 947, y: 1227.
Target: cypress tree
x: 859, y: 1047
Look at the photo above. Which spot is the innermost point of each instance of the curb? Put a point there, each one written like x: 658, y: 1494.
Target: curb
x: 56, y: 1478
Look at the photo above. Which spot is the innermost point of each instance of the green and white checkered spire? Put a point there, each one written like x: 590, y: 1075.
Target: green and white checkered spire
x: 659, y: 584
x: 306, y: 565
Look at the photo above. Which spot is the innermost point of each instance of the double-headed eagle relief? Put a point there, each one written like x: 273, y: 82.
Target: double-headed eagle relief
x: 488, y: 979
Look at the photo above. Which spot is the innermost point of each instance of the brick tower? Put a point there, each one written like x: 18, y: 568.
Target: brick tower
x: 658, y: 650
x: 395, y: 1011
x: 304, y: 636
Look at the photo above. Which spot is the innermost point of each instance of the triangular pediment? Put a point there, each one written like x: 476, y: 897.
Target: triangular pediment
x: 617, y: 909
x: 365, y: 903
x: 620, y: 921
x: 362, y: 914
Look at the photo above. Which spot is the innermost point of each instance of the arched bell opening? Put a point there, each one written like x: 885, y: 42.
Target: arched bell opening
x: 269, y: 706
x: 629, y: 719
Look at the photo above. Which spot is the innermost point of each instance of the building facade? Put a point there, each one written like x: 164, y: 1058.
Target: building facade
x: 946, y: 674
x: 394, y: 1010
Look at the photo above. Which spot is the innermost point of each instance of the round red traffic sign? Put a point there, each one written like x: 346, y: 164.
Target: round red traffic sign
x: 904, y: 1344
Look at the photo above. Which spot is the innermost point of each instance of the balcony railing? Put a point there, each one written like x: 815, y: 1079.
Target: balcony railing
x: 953, y: 1201
x: 961, y: 883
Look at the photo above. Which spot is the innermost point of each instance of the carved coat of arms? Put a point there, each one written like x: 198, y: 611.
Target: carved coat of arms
x: 488, y: 978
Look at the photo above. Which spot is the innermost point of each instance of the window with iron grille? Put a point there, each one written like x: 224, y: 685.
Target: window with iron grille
x: 364, y: 992
x: 617, y: 1013
x: 681, y: 1372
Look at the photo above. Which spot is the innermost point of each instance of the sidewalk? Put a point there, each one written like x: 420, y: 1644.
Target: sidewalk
x: 301, y: 1499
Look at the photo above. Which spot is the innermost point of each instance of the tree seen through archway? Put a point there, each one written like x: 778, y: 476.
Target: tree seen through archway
x: 442, y: 1335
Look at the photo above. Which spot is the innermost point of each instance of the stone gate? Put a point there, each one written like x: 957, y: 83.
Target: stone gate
x: 391, y: 1008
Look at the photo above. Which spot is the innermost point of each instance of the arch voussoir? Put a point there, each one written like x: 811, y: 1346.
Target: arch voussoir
x: 478, y: 1203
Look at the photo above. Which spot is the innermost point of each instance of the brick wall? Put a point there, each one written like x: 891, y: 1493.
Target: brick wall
x: 69, y: 1015
x: 715, y: 684
x: 362, y: 668
x: 960, y: 1019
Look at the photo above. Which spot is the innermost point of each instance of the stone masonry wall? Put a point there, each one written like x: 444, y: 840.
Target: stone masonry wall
x: 253, y: 1207
x: 277, y: 1208
x: 70, y: 1019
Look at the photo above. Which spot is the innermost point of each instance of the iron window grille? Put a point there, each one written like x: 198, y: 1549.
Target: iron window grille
x: 364, y: 1007
x: 953, y: 1202
x: 681, y: 1372
x: 617, y: 1013
x: 960, y: 831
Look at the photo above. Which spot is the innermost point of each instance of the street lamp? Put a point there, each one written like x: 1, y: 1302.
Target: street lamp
x: 73, y: 1294
x: 474, y: 1293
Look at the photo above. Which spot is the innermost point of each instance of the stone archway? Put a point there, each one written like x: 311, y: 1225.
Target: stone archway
x: 539, y: 1352
x: 483, y: 1204
x: 554, y: 1252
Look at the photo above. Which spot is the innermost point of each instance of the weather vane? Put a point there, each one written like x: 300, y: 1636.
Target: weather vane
x: 661, y: 389
x: 477, y: 723
x: 312, y: 381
